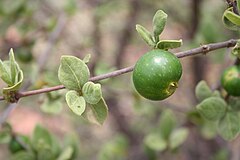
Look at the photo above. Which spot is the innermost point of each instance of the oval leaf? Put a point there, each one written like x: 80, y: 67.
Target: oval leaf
x: 202, y: 91
x: 232, y: 17
x: 167, y: 123
x: 75, y: 102
x: 227, y: 23
x: 159, y: 21
x: 169, y: 44
x: 229, y: 127
x: 92, y: 93
x: 178, y: 137
x: 96, y: 113
x: 4, y: 74
x: 145, y: 35
x: 73, y: 72
x: 212, y: 108
x: 155, y: 142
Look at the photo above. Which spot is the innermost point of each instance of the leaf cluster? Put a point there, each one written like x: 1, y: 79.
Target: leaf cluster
x: 85, y: 97
x: 152, y: 39
x: 213, y: 108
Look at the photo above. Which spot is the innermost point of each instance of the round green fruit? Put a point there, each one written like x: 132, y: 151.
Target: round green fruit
x: 156, y: 74
x: 230, y: 80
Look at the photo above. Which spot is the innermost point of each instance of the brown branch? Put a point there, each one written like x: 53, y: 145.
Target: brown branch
x: 200, y: 50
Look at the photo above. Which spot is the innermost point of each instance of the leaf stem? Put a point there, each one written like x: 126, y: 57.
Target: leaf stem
x: 204, y: 49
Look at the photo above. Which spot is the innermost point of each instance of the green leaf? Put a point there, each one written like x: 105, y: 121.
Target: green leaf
x: 87, y: 58
x: 209, y: 129
x: 227, y: 23
x: 236, y: 49
x: 169, y: 44
x: 75, y: 102
x: 66, y: 154
x: 202, y: 91
x: 23, y: 155
x: 145, y: 35
x: 41, y: 138
x: 96, y: 113
x: 92, y: 93
x: 155, y: 141
x: 178, y: 137
x: 51, y: 106
x: 229, y: 126
x: 232, y: 17
x: 167, y: 123
x: 4, y: 74
x: 212, y: 108
x: 73, y: 73
x: 159, y: 21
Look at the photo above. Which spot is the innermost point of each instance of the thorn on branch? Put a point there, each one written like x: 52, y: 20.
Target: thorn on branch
x: 205, y: 49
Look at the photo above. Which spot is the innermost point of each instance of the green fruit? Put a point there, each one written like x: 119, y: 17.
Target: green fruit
x: 230, y: 80
x: 156, y: 74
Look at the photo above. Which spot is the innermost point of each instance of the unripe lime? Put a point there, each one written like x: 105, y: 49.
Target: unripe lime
x: 230, y: 80
x: 156, y: 74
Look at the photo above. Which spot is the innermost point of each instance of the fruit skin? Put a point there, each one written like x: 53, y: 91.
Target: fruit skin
x: 230, y: 80
x: 156, y: 74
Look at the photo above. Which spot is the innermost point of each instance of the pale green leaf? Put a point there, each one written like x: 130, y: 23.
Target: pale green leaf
x: 227, y: 23
x: 236, y: 49
x: 159, y: 22
x: 229, y: 126
x: 178, y: 137
x: 66, y: 154
x: 155, y: 142
x: 167, y: 123
x: 4, y: 74
x: 169, y: 44
x: 96, y: 113
x: 87, y: 58
x: 75, y: 102
x: 92, y: 93
x: 202, y: 91
x: 145, y: 35
x: 212, y: 108
x: 7, y: 92
x: 73, y: 73
x: 232, y: 17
